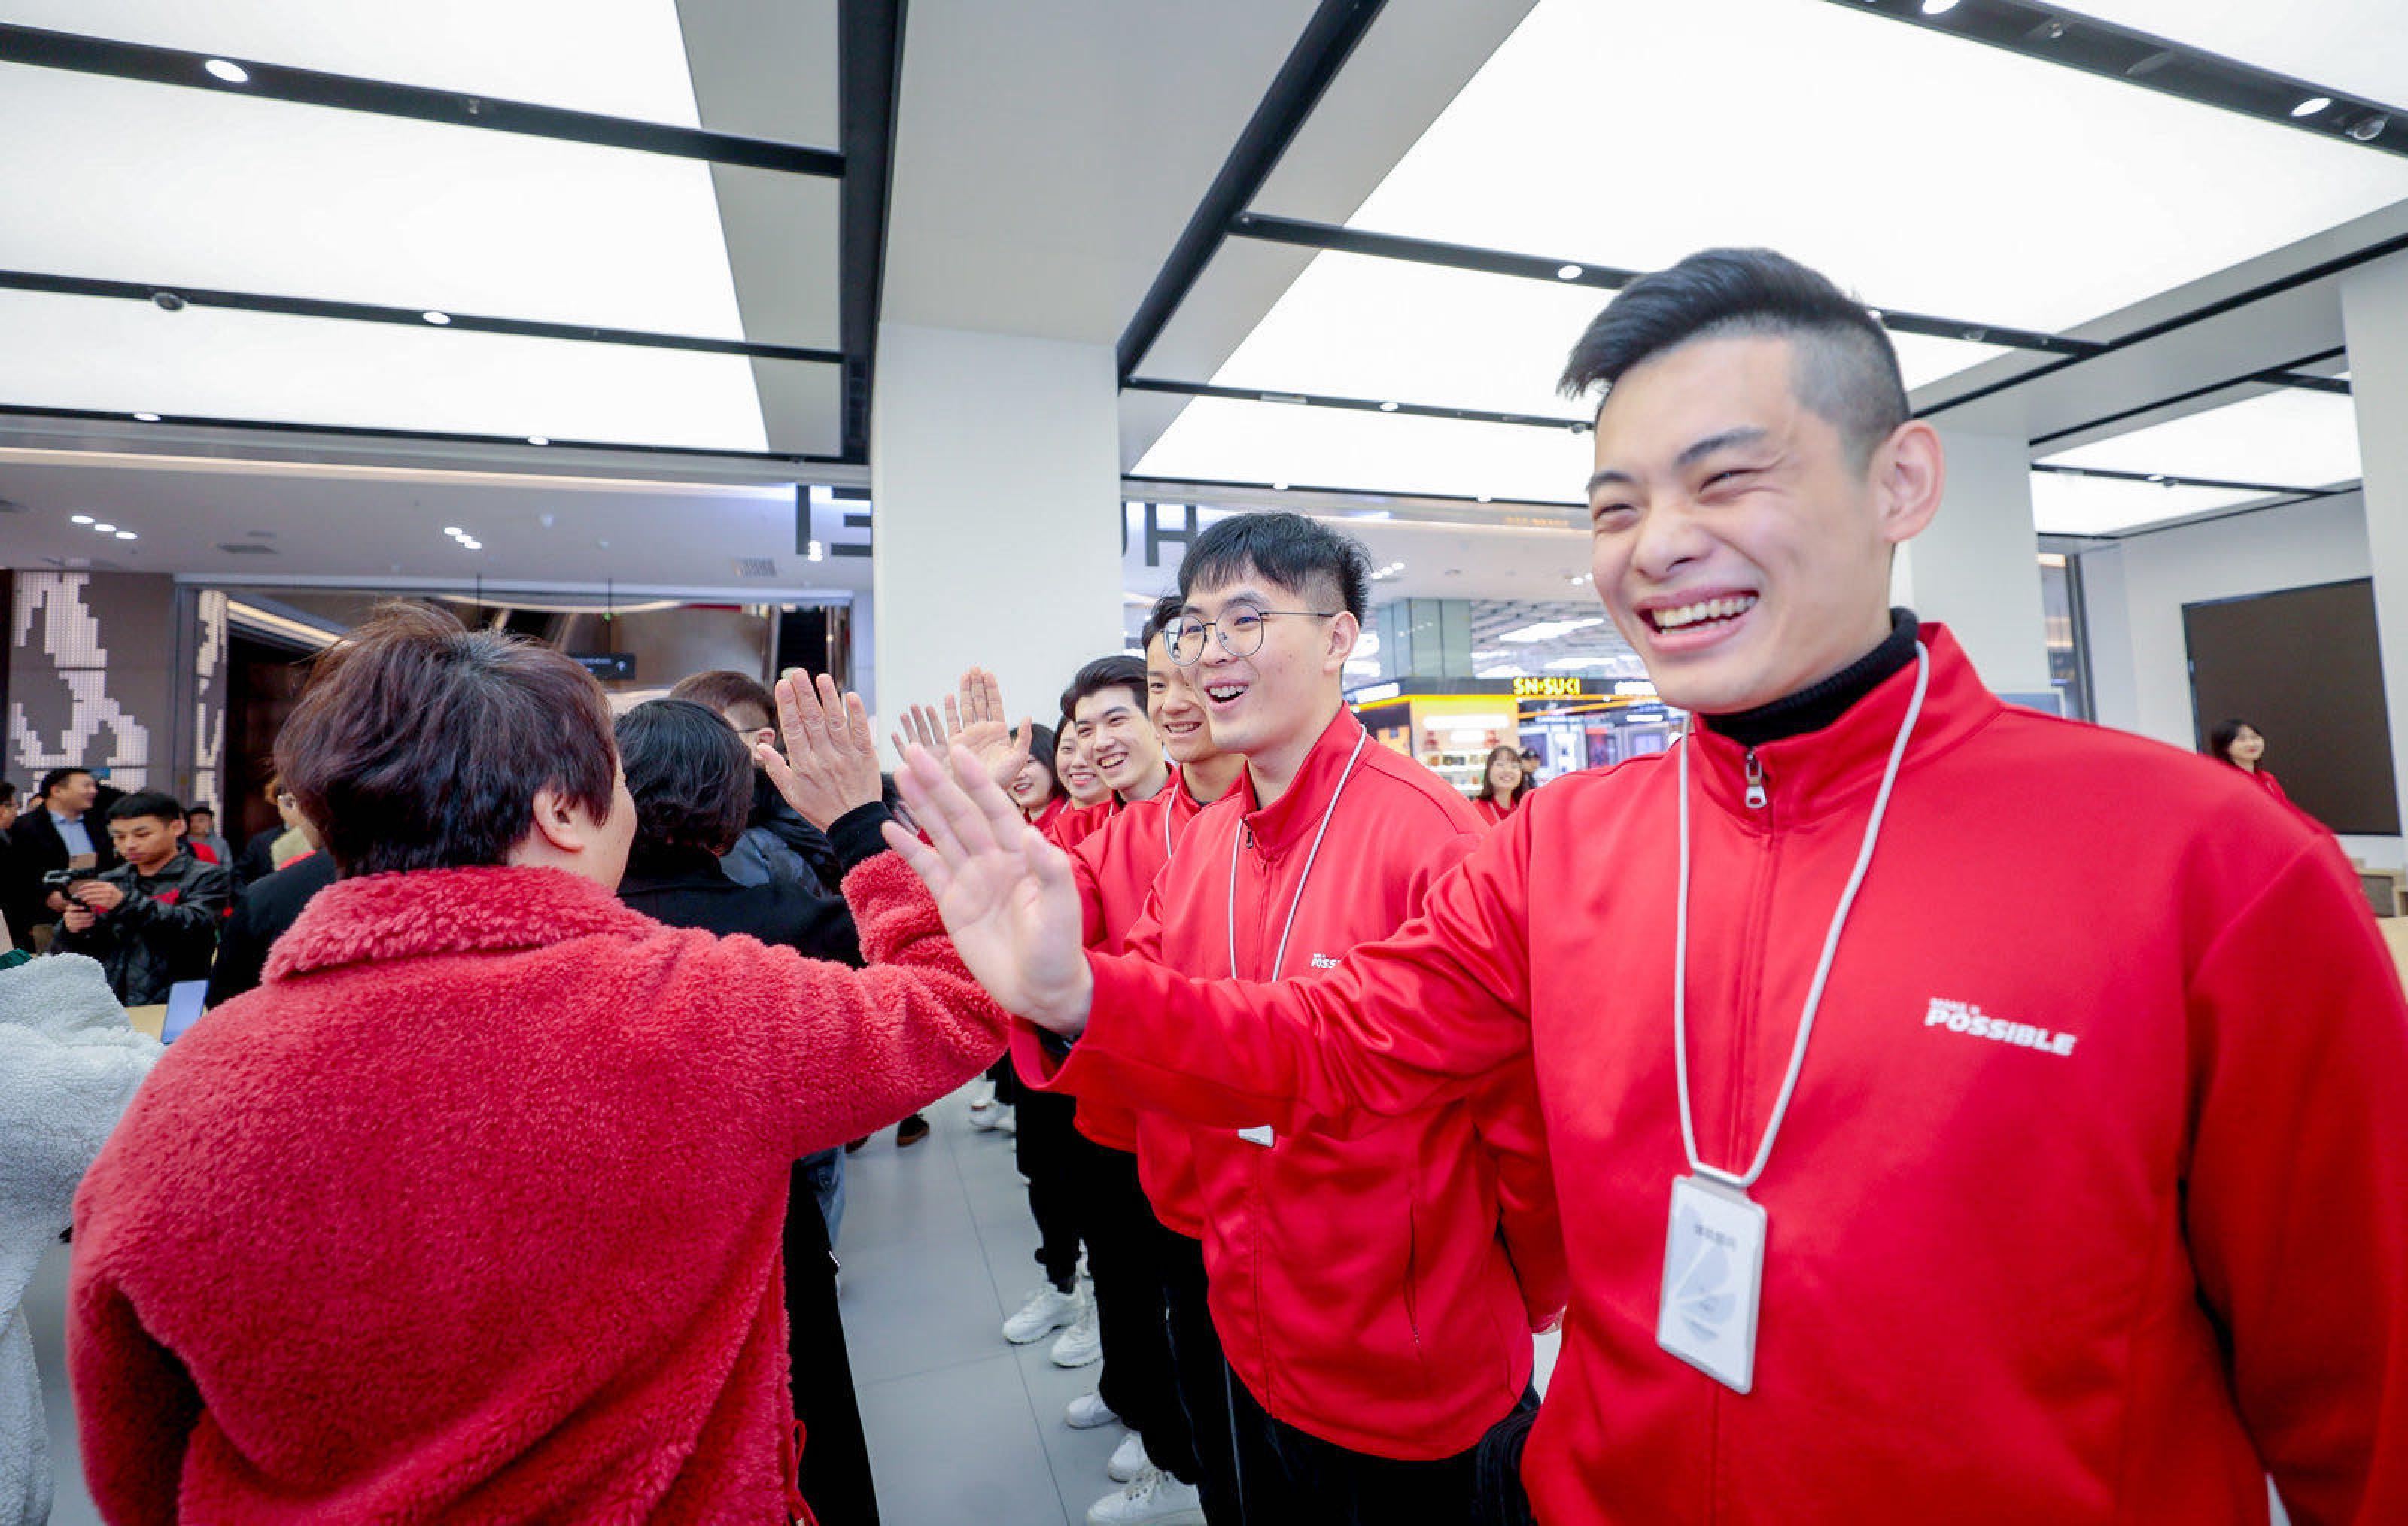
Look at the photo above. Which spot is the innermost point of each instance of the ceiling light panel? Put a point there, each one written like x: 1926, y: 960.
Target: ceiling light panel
x: 1358, y: 326
x: 2107, y: 506
x: 2293, y: 436
x: 2003, y: 190
x: 215, y: 189
x: 622, y: 58
x: 1220, y: 439
x: 90, y: 353
x: 2358, y: 46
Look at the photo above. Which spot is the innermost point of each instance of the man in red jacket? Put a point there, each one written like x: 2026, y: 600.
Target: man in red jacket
x: 1982, y: 1118
x: 1362, y: 1279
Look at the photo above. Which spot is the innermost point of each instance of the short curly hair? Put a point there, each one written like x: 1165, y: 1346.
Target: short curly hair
x: 691, y: 777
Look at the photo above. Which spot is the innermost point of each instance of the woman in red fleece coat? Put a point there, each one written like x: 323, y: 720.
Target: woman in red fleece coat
x: 472, y: 1212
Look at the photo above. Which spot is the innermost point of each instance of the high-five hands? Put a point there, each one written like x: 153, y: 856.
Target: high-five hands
x: 830, y: 764
x: 1007, y: 896
x: 974, y: 721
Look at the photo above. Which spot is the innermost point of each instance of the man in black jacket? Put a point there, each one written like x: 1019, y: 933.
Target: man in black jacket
x: 690, y: 775
x: 776, y: 842
x: 58, y: 829
x: 153, y: 919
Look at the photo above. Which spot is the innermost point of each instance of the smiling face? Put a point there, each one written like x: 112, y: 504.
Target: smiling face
x: 2247, y: 748
x: 1281, y: 695
x: 1117, y: 739
x: 74, y: 794
x: 1504, y: 770
x: 1032, y: 786
x: 1080, y: 780
x: 1176, y: 706
x: 1741, y: 548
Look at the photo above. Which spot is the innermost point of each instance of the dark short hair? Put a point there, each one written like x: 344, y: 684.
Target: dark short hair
x: 147, y: 803
x: 2221, y: 737
x: 1121, y: 670
x: 1289, y: 550
x: 1488, y: 786
x: 419, y: 745
x: 725, y: 691
x: 1043, y: 741
x: 57, y: 777
x: 1845, y: 370
x: 200, y: 807
x: 691, y: 776
x: 1166, y: 609
x: 7, y: 792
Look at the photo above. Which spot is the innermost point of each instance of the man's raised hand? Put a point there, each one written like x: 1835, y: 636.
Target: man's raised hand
x: 975, y: 721
x: 1007, y: 896
x: 830, y: 764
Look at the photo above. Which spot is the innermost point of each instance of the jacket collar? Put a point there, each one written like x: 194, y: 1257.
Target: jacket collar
x: 682, y: 869
x: 447, y: 912
x: 1298, y: 812
x: 1834, y: 768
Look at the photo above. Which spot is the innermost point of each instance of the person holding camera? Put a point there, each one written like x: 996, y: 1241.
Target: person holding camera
x: 153, y: 919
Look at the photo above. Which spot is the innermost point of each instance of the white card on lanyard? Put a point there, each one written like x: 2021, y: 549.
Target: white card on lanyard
x: 1713, y: 1277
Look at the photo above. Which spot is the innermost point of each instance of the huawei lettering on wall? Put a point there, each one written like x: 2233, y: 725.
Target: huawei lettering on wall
x: 1967, y: 1018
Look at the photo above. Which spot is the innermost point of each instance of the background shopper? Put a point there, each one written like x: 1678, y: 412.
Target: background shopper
x: 1502, y: 785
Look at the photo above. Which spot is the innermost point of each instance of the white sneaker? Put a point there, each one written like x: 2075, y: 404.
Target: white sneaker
x: 982, y: 1094
x: 1008, y: 1123
x: 1088, y: 1411
x: 1082, y: 1342
x: 1154, y: 1499
x: 989, y: 1115
x: 1129, y: 1462
x: 1047, y: 1309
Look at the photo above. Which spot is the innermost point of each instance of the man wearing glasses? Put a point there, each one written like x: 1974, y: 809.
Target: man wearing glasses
x: 1361, y: 1278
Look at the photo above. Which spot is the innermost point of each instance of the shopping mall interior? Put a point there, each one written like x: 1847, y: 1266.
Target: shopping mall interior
x: 882, y: 339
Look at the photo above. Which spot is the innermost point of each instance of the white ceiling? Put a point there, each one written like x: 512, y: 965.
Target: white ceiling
x: 2359, y: 46
x: 2291, y: 437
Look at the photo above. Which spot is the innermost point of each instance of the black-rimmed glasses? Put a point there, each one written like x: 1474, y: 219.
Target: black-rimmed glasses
x: 1240, y: 629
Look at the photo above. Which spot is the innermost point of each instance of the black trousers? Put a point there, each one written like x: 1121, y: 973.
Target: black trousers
x: 1126, y: 1247
x: 1204, y: 1380
x: 1047, y: 1149
x: 836, y: 1480
x: 1292, y: 1479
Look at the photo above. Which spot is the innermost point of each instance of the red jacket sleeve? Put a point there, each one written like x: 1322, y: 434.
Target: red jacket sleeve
x: 853, y: 1050
x: 1513, y: 1132
x: 1428, y: 1011
x: 2297, y: 1187
x: 136, y: 1407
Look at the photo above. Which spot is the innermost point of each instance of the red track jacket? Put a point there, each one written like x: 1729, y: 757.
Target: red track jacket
x: 1363, y: 1279
x: 2090, y: 1200
x: 472, y: 1212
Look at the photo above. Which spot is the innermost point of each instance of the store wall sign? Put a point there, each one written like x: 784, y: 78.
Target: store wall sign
x: 1548, y: 689
x: 606, y: 664
x: 1378, y: 693
x: 1634, y: 689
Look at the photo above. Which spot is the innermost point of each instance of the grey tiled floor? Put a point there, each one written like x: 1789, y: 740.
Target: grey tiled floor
x: 936, y: 1248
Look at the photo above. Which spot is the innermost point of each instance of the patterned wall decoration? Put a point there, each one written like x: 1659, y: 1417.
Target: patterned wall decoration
x: 90, y: 675
x: 201, y: 754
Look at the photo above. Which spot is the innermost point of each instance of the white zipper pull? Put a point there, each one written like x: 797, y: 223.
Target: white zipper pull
x: 1755, y: 796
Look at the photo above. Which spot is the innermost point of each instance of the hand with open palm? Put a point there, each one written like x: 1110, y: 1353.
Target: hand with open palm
x: 974, y: 721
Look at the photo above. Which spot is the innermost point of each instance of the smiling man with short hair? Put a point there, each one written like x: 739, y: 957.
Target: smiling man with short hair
x: 1958, y: 1113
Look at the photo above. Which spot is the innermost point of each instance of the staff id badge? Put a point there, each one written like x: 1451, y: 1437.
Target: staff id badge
x: 1713, y: 1275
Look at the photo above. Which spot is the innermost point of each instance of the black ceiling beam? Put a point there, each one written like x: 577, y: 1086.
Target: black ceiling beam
x: 1385, y: 246
x: 1363, y: 405
x: 2284, y: 374
x: 1327, y: 40
x: 173, y: 298
x: 869, y: 74
x: 2060, y: 37
x: 2171, y: 479
x: 19, y: 410
x: 1490, y: 500
x: 312, y: 87
x: 2321, y: 271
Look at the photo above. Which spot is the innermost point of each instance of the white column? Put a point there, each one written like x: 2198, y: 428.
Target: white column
x: 1977, y: 568
x: 2374, y: 324
x: 995, y: 483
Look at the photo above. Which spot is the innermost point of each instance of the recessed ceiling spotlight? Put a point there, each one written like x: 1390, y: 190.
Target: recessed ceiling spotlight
x: 2369, y: 128
x: 146, y: 418
x: 2312, y: 105
x: 127, y: 534
x: 453, y: 531
x: 1387, y: 408
x: 79, y: 518
x: 468, y: 544
x: 1485, y: 498
x: 105, y: 528
x: 168, y: 302
x: 539, y: 439
x: 1938, y: 8
x: 227, y: 70
x: 438, y: 320
x: 1279, y: 487
x: 1569, y: 272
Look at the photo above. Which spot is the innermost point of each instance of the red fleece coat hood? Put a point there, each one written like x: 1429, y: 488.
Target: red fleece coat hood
x: 472, y: 1212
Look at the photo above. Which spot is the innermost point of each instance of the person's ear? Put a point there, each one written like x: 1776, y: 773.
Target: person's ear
x: 175, y: 827
x: 1910, y: 472
x: 1345, y: 631
x: 558, y: 821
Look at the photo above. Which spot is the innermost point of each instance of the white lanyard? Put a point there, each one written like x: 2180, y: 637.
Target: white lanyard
x: 1238, y: 836
x: 1822, y: 970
